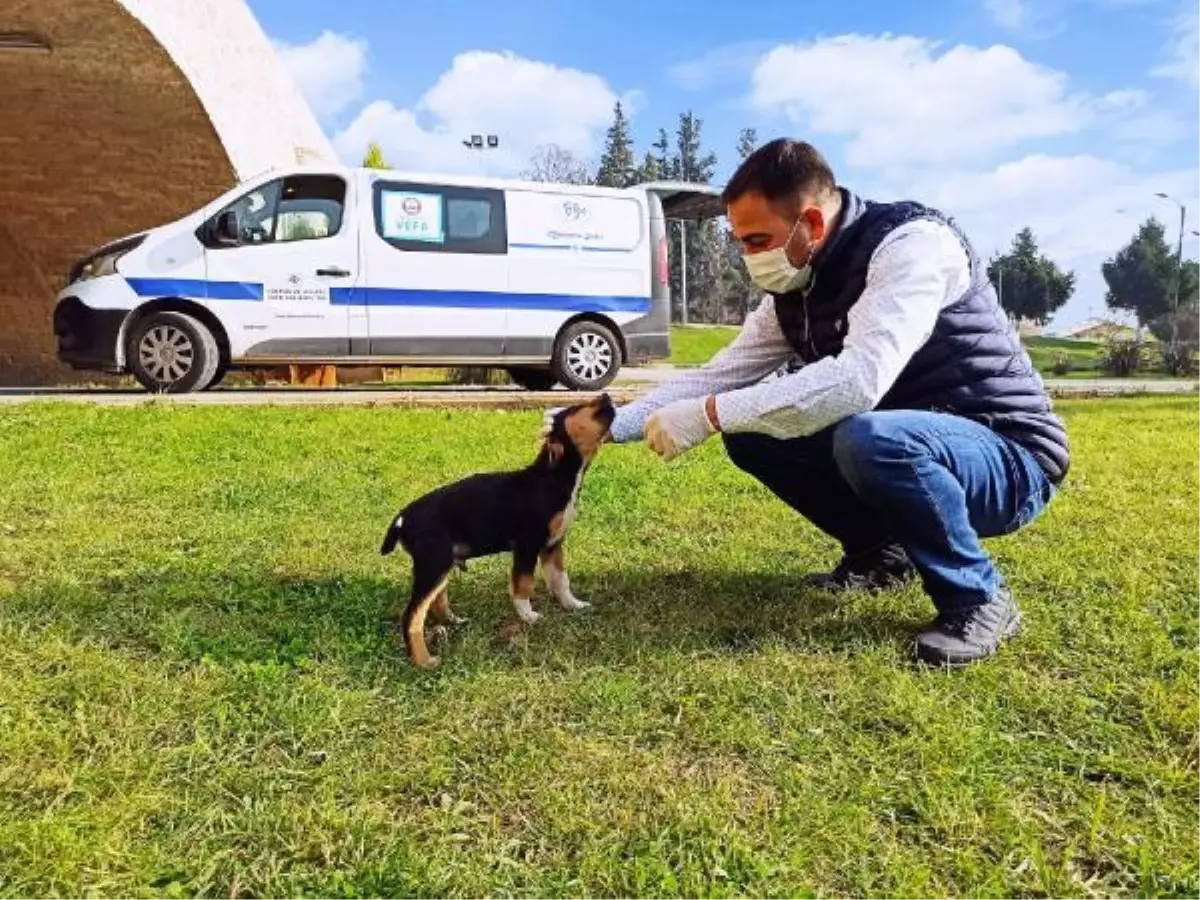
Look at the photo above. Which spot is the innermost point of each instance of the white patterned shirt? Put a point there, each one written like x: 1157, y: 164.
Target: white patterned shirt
x: 919, y: 269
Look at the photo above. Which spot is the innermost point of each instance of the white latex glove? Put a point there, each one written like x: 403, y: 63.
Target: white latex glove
x: 678, y: 427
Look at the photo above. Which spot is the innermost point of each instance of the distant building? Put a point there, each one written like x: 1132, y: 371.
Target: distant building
x: 119, y: 115
x: 1028, y: 328
x: 1103, y: 330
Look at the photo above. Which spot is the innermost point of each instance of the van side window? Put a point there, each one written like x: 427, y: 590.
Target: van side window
x: 310, y: 206
x: 440, y: 218
x: 297, y: 208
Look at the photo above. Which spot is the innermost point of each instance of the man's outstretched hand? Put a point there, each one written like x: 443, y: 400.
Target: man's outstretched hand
x: 678, y: 427
x: 670, y: 432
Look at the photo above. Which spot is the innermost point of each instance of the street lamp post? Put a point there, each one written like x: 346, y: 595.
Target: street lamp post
x: 683, y: 299
x: 1178, y: 269
x: 478, y: 142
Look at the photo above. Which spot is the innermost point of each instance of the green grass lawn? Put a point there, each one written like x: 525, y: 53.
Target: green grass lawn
x: 1083, y: 356
x: 693, y: 345
x: 197, y: 698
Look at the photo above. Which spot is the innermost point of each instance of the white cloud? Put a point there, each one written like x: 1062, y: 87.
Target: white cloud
x: 329, y: 70
x: 724, y: 63
x: 1183, y: 50
x: 956, y: 128
x: 524, y: 102
x: 1081, y: 208
x: 903, y: 99
x: 1010, y: 14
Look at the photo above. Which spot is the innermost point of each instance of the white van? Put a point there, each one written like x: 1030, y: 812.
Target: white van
x: 555, y: 283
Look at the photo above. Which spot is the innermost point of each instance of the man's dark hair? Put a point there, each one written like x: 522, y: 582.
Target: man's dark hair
x: 782, y: 170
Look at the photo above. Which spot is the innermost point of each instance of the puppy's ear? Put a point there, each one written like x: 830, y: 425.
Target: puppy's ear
x: 554, y: 451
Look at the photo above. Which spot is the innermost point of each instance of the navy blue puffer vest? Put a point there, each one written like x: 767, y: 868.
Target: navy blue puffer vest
x: 973, y: 364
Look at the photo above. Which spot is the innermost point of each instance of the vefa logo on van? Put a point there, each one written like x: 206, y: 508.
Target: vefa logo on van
x: 574, y: 212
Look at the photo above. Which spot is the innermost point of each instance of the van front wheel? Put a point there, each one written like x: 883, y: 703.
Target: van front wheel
x: 172, y: 353
x: 587, y: 357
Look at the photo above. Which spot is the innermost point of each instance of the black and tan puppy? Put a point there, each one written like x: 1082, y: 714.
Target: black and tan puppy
x: 526, y: 512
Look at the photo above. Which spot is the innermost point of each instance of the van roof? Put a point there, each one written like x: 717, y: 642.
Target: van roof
x: 469, y: 180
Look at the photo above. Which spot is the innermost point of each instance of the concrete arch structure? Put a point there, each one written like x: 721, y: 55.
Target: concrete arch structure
x: 116, y: 116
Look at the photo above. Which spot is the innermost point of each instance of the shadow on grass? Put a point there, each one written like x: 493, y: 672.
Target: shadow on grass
x: 266, y: 618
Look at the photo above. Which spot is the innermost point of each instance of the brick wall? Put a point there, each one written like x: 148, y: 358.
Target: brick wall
x: 99, y: 138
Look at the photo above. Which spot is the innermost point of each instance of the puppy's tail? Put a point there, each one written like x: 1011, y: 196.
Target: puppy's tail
x: 392, y: 538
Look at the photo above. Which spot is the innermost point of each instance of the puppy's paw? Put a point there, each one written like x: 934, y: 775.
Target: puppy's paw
x: 571, y: 603
x: 525, y: 611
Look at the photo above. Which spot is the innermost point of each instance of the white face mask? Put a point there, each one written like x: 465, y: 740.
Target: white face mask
x: 772, y: 271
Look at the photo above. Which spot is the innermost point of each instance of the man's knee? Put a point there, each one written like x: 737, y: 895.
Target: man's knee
x: 748, y: 451
x: 863, y: 445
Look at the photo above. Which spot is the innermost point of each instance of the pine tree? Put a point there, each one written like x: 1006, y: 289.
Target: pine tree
x: 1141, y: 278
x: 617, y: 163
x: 1030, y: 285
x: 668, y: 166
x: 747, y: 143
x: 704, y: 255
x: 374, y: 158
x: 649, y: 169
x: 738, y: 293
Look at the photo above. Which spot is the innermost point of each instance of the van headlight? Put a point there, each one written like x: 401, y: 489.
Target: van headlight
x: 99, y: 266
x: 104, y: 261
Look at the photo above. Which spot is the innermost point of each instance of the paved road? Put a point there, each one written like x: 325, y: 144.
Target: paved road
x: 628, y: 384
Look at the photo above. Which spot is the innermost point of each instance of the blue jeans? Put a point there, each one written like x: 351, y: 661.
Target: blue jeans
x: 932, y: 482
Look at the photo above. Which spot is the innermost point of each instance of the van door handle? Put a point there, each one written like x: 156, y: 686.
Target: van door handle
x: 334, y: 273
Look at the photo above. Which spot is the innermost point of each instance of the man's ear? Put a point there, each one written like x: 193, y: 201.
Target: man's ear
x: 816, y: 222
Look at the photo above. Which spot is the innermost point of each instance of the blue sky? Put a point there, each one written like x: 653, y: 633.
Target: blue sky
x: 1054, y: 114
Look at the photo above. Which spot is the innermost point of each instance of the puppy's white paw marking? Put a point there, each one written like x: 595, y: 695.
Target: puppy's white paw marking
x: 525, y: 611
x: 571, y: 603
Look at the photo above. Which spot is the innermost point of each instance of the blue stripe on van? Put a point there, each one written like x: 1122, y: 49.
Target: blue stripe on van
x: 196, y: 288
x: 200, y: 289
x: 584, y: 247
x: 486, y: 300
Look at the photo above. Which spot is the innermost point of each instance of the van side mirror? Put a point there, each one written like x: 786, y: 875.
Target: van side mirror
x: 227, y: 230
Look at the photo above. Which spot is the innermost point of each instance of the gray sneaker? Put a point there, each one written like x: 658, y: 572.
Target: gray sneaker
x: 966, y: 636
x: 882, y: 568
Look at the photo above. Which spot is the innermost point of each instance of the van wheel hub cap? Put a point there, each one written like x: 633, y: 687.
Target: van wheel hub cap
x: 166, y: 352
x: 589, y: 357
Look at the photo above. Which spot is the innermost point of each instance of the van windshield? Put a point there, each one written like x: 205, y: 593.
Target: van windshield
x: 296, y: 208
x: 256, y: 211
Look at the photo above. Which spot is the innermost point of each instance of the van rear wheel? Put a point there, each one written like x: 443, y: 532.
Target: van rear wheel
x: 218, y: 377
x: 172, y: 353
x: 587, y: 356
x: 531, y: 379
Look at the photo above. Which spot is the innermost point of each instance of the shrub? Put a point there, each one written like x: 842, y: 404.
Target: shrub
x: 1062, y: 364
x: 1123, y: 358
x: 476, y: 375
x: 1179, y: 359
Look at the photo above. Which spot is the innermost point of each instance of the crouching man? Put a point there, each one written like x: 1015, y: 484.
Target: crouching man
x: 916, y: 423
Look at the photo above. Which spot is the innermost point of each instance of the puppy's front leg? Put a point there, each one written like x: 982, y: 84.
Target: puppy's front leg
x: 555, y: 573
x: 524, y: 565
